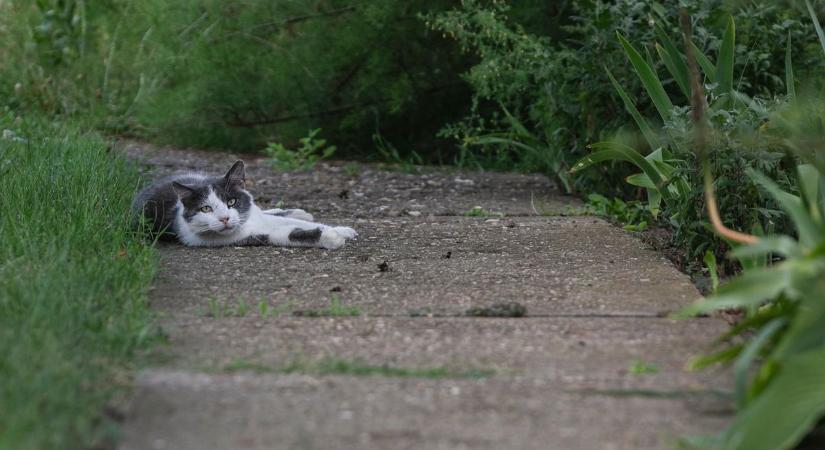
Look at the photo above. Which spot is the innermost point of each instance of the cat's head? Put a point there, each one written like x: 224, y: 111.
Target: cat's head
x: 219, y: 205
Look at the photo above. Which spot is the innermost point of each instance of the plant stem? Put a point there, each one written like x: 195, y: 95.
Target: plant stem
x: 697, y: 100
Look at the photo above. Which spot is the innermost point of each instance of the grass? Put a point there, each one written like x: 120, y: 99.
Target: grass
x: 240, y: 308
x: 478, y: 211
x: 73, y: 283
x: 337, y: 366
x: 640, y: 367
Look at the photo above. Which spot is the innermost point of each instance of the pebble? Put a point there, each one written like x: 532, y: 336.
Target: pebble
x: 414, y: 213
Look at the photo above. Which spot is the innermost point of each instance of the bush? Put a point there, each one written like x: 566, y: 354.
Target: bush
x: 235, y: 74
x: 557, y: 84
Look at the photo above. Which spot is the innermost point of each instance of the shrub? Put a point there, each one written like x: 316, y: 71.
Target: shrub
x: 557, y: 85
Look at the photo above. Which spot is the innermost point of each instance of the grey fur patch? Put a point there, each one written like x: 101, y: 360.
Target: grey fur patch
x: 305, y: 236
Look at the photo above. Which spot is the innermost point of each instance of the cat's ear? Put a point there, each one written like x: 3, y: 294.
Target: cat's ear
x: 183, y: 191
x: 236, y: 174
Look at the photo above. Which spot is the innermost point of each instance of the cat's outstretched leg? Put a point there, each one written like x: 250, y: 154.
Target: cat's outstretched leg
x: 299, y: 214
x: 290, y: 232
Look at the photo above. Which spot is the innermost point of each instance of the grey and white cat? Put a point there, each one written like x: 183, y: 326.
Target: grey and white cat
x: 200, y: 210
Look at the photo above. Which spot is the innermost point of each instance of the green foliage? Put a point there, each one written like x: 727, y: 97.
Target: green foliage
x: 779, y: 371
x: 478, y: 211
x: 305, y: 157
x: 235, y: 75
x: 669, y: 173
x: 240, y: 74
x: 640, y: 367
x: 713, y: 270
x: 73, y: 283
x: 780, y: 367
x: 631, y: 215
x: 556, y: 85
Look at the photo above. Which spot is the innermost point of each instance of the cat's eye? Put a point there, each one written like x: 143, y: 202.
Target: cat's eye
x: 231, y: 202
x: 206, y: 209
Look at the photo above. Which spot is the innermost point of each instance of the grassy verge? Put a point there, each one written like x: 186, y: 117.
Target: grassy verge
x: 73, y: 279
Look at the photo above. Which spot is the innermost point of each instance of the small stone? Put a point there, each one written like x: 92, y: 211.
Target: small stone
x: 414, y: 213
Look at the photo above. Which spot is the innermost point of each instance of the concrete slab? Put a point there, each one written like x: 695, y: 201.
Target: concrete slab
x: 364, y: 190
x: 551, y: 265
x: 571, y: 353
x: 190, y: 411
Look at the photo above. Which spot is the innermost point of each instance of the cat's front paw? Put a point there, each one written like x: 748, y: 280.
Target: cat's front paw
x: 331, y: 239
x: 346, y: 232
x: 299, y: 214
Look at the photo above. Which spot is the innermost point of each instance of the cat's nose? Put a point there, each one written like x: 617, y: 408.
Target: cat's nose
x: 225, y: 220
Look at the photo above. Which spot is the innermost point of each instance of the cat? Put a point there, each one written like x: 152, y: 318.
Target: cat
x: 199, y: 210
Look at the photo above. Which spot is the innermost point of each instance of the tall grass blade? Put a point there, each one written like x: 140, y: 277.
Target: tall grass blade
x: 817, y: 26
x: 649, y: 79
x: 704, y: 62
x: 724, y: 65
x: 789, y: 79
x: 647, y: 131
x: 673, y: 60
x: 670, y: 65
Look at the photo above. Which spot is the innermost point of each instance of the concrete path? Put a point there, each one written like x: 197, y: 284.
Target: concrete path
x: 379, y: 345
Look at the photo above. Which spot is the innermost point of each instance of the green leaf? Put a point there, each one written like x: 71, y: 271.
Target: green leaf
x: 673, y: 60
x: 516, y: 124
x: 817, y: 26
x: 707, y: 67
x: 724, y: 65
x: 670, y: 64
x: 809, y: 179
x: 654, y: 198
x: 710, y: 263
x: 809, y: 233
x: 649, y: 79
x: 789, y: 80
x: 640, y: 180
x: 806, y: 332
x: 741, y: 367
x: 778, y: 245
x: 786, y: 409
x: 750, y: 289
x: 613, y: 151
x: 723, y: 356
x: 644, y: 127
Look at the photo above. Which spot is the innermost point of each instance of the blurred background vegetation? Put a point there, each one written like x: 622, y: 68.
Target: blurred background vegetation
x: 476, y: 83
